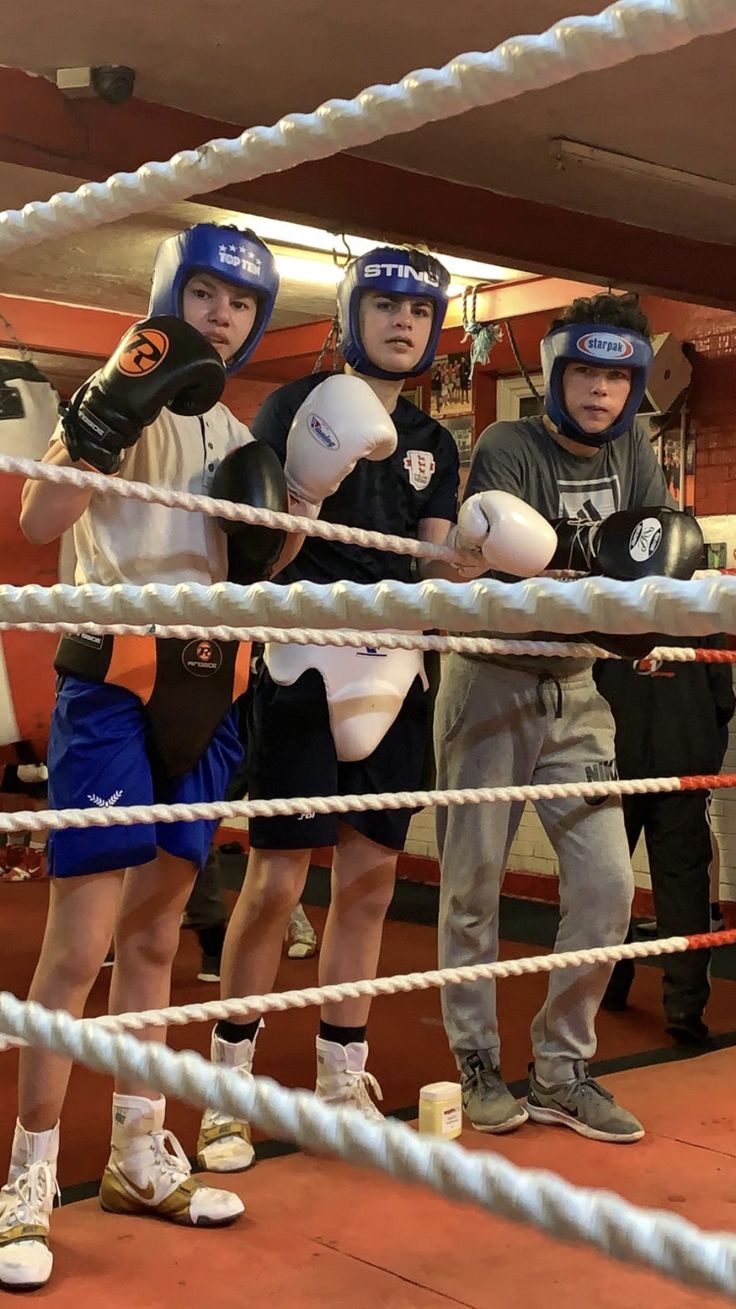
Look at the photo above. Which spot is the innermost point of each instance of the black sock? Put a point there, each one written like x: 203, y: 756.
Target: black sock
x: 234, y: 1033
x: 341, y: 1035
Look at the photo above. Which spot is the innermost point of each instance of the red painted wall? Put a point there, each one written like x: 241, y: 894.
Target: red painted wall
x: 245, y: 397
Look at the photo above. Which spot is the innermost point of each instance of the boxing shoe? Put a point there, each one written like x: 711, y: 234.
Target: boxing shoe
x: 301, y: 938
x: 342, y: 1078
x: 224, y: 1144
x: 24, y: 863
x: 26, y: 1202
x: 148, y: 1172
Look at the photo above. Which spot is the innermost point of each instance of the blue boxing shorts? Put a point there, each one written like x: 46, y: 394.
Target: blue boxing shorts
x: 100, y: 754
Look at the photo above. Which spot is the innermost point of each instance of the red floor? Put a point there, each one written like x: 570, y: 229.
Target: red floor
x: 408, y: 1046
x: 319, y: 1233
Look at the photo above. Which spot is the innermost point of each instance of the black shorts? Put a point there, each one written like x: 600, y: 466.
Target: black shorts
x: 291, y: 752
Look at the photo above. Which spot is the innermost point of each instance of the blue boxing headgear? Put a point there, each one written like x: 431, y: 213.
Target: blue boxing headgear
x: 396, y: 272
x: 231, y: 253
x: 594, y: 343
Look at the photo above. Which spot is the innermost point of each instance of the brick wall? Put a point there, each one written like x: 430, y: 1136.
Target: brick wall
x: 245, y: 397
x: 713, y: 417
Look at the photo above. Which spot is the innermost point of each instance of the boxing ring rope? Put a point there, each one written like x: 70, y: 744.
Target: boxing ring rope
x: 243, y: 513
x: 108, y: 815
x: 653, y: 604
x: 402, y: 983
x: 599, y: 1219
x: 237, y: 513
x: 382, y: 641
x: 583, y: 44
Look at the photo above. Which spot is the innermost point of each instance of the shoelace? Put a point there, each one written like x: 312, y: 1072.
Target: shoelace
x: 361, y: 1086
x: 588, y: 1083
x: 486, y: 1080
x: 169, y: 1157
x: 32, y: 1191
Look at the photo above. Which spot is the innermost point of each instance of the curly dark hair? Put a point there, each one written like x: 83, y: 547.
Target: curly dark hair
x: 611, y: 310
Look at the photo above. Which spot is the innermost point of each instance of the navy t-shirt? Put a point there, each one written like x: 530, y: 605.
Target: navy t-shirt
x: 420, y: 480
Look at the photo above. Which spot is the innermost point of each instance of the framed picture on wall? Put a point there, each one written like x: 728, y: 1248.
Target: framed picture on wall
x: 461, y: 430
x: 674, y: 446
x: 452, y: 392
x: 716, y: 554
x: 677, y: 471
x: 414, y: 396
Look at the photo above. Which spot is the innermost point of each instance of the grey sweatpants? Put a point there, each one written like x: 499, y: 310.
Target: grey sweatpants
x: 493, y: 727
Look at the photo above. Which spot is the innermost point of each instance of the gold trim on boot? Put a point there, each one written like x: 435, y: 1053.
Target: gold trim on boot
x: 120, y: 1194
x: 219, y: 1132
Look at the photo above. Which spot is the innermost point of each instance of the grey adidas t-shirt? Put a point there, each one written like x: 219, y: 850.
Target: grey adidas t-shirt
x: 525, y: 460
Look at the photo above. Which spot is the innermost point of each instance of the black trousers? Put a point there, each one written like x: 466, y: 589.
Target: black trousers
x: 677, y: 838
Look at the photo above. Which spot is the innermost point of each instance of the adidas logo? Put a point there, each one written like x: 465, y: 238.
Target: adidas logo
x: 105, y: 804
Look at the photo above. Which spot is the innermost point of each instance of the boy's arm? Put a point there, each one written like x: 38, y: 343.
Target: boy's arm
x: 48, y: 510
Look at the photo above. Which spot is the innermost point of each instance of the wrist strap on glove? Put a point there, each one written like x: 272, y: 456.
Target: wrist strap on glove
x: 85, y: 443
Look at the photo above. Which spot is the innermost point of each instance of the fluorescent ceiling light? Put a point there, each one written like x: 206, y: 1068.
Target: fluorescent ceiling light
x: 296, y: 235
x: 321, y: 272
x: 316, y: 272
x: 576, y: 152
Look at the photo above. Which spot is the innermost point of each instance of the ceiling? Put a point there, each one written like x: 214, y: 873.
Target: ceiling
x: 249, y: 64
x: 246, y: 64
x: 110, y: 266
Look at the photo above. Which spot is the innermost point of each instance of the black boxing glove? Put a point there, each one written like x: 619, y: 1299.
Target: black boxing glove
x: 633, y: 543
x: 251, y: 475
x: 160, y: 362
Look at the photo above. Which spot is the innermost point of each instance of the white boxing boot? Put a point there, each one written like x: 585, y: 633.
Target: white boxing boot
x: 25, y: 1210
x: 301, y: 937
x: 342, y: 1078
x: 224, y: 1144
x: 148, y: 1172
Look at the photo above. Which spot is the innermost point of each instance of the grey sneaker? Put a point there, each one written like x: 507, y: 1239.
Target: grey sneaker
x: 487, y: 1100
x: 585, y: 1106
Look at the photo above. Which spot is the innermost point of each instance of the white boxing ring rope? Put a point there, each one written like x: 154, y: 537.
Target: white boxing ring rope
x: 210, y: 507
x: 379, y: 641
x: 237, y: 513
x: 653, y: 1238
x: 402, y: 983
x: 582, y: 44
x: 106, y: 815
x: 654, y: 604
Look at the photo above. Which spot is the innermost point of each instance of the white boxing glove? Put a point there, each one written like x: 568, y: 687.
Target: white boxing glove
x: 341, y: 421
x: 510, y: 535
